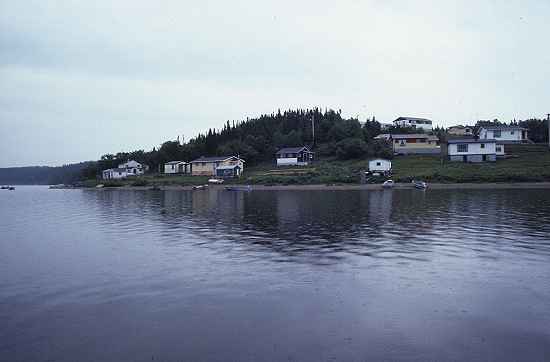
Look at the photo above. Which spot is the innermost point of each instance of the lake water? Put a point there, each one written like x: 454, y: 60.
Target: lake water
x: 117, y: 275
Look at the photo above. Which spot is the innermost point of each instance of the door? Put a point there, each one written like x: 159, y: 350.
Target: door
x: 465, y: 158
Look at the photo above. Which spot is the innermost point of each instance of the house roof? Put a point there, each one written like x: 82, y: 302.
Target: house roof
x: 174, y: 162
x: 379, y: 159
x: 130, y: 164
x: 413, y: 135
x: 413, y: 119
x: 502, y: 127
x: 470, y: 140
x: 215, y: 159
x: 119, y: 169
x: 292, y: 149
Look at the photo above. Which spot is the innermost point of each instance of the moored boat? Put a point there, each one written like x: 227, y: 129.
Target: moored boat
x: 421, y: 185
x: 239, y: 188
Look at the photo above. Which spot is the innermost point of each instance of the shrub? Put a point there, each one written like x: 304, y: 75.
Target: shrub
x: 351, y: 148
x: 140, y: 182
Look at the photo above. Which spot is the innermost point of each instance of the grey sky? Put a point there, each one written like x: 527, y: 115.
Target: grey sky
x: 82, y: 78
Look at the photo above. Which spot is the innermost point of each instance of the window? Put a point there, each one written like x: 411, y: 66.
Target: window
x: 396, y: 141
x: 483, y: 145
x: 497, y: 133
x: 499, y: 148
x: 462, y: 147
x: 378, y: 164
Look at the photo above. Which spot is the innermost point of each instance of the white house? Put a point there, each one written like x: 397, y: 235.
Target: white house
x: 130, y: 168
x: 177, y: 167
x: 473, y: 150
x: 133, y: 168
x: 504, y: 133
x: 379, y: 165
x: 114, y: 173
x: 294, y: 156
x: 413, y: 122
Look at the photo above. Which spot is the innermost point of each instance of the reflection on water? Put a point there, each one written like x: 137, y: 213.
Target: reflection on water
x: 272, y: 275
x: 314, y: 226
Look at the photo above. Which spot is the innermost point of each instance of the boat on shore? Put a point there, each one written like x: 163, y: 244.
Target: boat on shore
x: 421, y: 185
x: 5, y: 187
x: 200, y: 187
x: 216, y: 181
x: 388, y: 184
x: 11, y: 188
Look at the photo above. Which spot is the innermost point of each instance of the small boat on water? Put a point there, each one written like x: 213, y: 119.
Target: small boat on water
x: 11, y: 188
x: 388, y: 184
x: 5, y: 187
x: 239, y: 188
x: 421, y: 185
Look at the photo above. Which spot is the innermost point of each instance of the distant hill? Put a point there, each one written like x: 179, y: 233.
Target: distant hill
x: 42, y: 175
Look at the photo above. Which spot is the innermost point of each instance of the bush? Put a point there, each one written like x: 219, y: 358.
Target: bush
x: 112, y: 184
x: 140, y: 182
x: 351, y: 148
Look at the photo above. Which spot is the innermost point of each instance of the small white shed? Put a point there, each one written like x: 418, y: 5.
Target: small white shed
x: 379, y: 165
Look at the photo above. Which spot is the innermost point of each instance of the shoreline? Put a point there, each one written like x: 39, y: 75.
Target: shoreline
x: 348, y: 187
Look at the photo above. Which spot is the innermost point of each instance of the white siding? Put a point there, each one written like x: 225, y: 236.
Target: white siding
x: 505, y: 135
x: 414, y: 124
x: 287, y: 161
x: 473, y: 149
x: 379, y: 165
x: 173, y: 168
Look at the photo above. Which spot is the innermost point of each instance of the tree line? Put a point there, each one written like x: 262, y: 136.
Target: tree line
x: 257, y: 140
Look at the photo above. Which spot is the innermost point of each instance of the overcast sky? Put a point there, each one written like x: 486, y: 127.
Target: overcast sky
x: 79, y: 79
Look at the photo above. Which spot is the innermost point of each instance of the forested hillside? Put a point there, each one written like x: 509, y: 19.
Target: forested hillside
x: 256, y: 140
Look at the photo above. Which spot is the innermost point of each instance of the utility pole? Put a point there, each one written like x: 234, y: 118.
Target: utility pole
x: 313, y: 129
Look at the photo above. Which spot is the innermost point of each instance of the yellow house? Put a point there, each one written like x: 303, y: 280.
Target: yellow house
x: 222, y: 166
x: 406, y: 144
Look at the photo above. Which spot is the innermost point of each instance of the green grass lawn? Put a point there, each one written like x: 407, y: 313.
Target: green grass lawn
x: 525, y: 165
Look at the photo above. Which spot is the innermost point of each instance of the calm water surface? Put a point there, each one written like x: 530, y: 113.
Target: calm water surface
x: 274, y: 275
